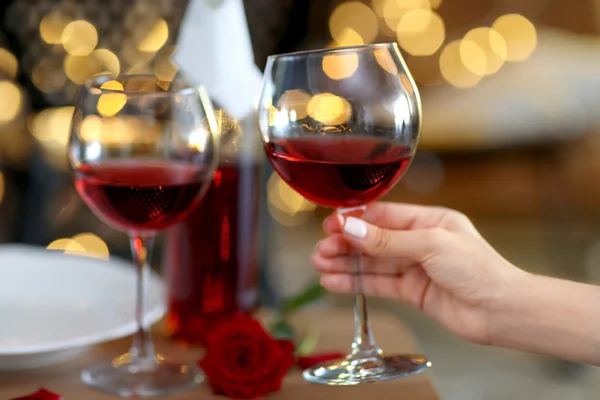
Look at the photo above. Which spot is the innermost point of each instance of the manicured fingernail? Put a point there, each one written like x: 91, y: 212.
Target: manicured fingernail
x: 340, y: 219
x: 355, y: 227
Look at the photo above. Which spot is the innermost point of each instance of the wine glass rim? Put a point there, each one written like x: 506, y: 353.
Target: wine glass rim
x: 332, y: 50
x: 95, y: 83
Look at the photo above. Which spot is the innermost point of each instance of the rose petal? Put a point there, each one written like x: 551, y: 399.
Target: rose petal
x: 310, y: 361
x: 41, y: 394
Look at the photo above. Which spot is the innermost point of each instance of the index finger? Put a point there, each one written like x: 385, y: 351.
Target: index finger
x: 392, y: 216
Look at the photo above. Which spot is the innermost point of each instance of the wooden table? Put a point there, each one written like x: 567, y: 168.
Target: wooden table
x: 333, y: 325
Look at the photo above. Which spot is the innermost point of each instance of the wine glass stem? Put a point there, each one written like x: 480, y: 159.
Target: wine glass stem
x: 142, y: 347
x: 363, y: 346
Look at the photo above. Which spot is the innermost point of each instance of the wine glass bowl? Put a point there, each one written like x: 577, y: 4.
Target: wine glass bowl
x: 142, y: 152
x: 341, y: 127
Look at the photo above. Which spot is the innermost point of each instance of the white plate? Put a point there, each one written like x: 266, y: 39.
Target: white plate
x: 52, y: 306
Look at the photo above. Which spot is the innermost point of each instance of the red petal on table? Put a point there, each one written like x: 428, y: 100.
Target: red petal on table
x: 305, y: 362
x: 41, y: 394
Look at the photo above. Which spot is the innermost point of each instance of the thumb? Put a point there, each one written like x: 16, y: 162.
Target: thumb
x: 418, y: 245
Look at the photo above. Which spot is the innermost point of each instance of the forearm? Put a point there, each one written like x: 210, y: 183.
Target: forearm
x: 550, y: 316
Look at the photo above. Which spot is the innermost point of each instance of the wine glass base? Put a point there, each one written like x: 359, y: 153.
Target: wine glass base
x: 142, y: 377
x: 354, y: 372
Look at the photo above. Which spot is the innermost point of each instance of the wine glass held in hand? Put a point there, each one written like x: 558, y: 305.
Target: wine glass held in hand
x: 341, y: 127
x: 142, y: 153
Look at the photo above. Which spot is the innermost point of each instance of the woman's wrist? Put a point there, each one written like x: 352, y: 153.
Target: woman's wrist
x: 550, y: 316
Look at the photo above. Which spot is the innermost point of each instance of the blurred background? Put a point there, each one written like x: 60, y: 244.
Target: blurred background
x: 509, y: 92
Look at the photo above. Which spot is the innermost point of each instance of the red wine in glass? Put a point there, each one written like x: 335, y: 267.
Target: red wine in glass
x: 140, y: 196
x: 212, y: 256
x: 339, y: 172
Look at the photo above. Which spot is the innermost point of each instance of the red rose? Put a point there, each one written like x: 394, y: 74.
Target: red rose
x: 41, y: 394
x: 243, y: 362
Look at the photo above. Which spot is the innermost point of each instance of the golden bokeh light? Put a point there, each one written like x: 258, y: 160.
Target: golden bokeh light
x: 394, y: 10
x: 340, y: 66
x: 273, y: 113
x: 421, y: 32
x: 348, y: 37
x: 11, y: 101
x: 473, y: 57
x: 294, y: 104
x: 51, y: 127
x: 109, y: 104
x: 110, y: 61
x: 453, y: 70
x: 8, y: 64
x: 286, y: 206
x: 492, y: 44
x: 329, y: 109
x: 164, y: 68
x: 79, y: 38
x: 156, y: 38
x: 519, y: 34
x: 386, y: 61
x: 93, y: 246
x: 378, y: 6
x: 66, y: 244
x: 79, y: 69
x: 435, y: 4
x: 48, y: 75
x: 91, y: 128
x: 52, y: 27
x: 356, y: 16
x: 110, y: 131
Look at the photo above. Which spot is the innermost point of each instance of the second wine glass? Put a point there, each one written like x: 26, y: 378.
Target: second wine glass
x: 341, y: 127
x: 142, y: 153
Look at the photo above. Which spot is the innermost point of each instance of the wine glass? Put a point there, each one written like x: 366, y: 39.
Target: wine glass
x: 142, y: 153
x: 341, y: 127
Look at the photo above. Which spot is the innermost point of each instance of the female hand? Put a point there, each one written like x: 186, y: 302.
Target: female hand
x: 429, y: 257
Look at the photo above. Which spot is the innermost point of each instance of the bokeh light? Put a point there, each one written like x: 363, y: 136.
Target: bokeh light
x: 92, y: 244
x: 83, y: 244
x: 164, y: 68
x: 80, y: 68
x: 48, y: 75
x: 285, y: 205
x: 421, y: 32
x: 329, y: 109
x: 355, y: 16
x: 66, y: 244
x: 109, y: 104
x: 79, y: 38
x: 51, y: 127
x: 348, y: 37
x: 394, y: 10
x: 8, y: 64
x: 473, y: 57
x: 294, y: 104
x: 116, y: 130
x: 340, y: 66
x: 11, y: 101
x: 52, y: 27
x: 156, y: 38
x: 493, y: 46
x: 109, y: 60
x: 453, y: 69
x: 519, y: 34
x: 386, y: 61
